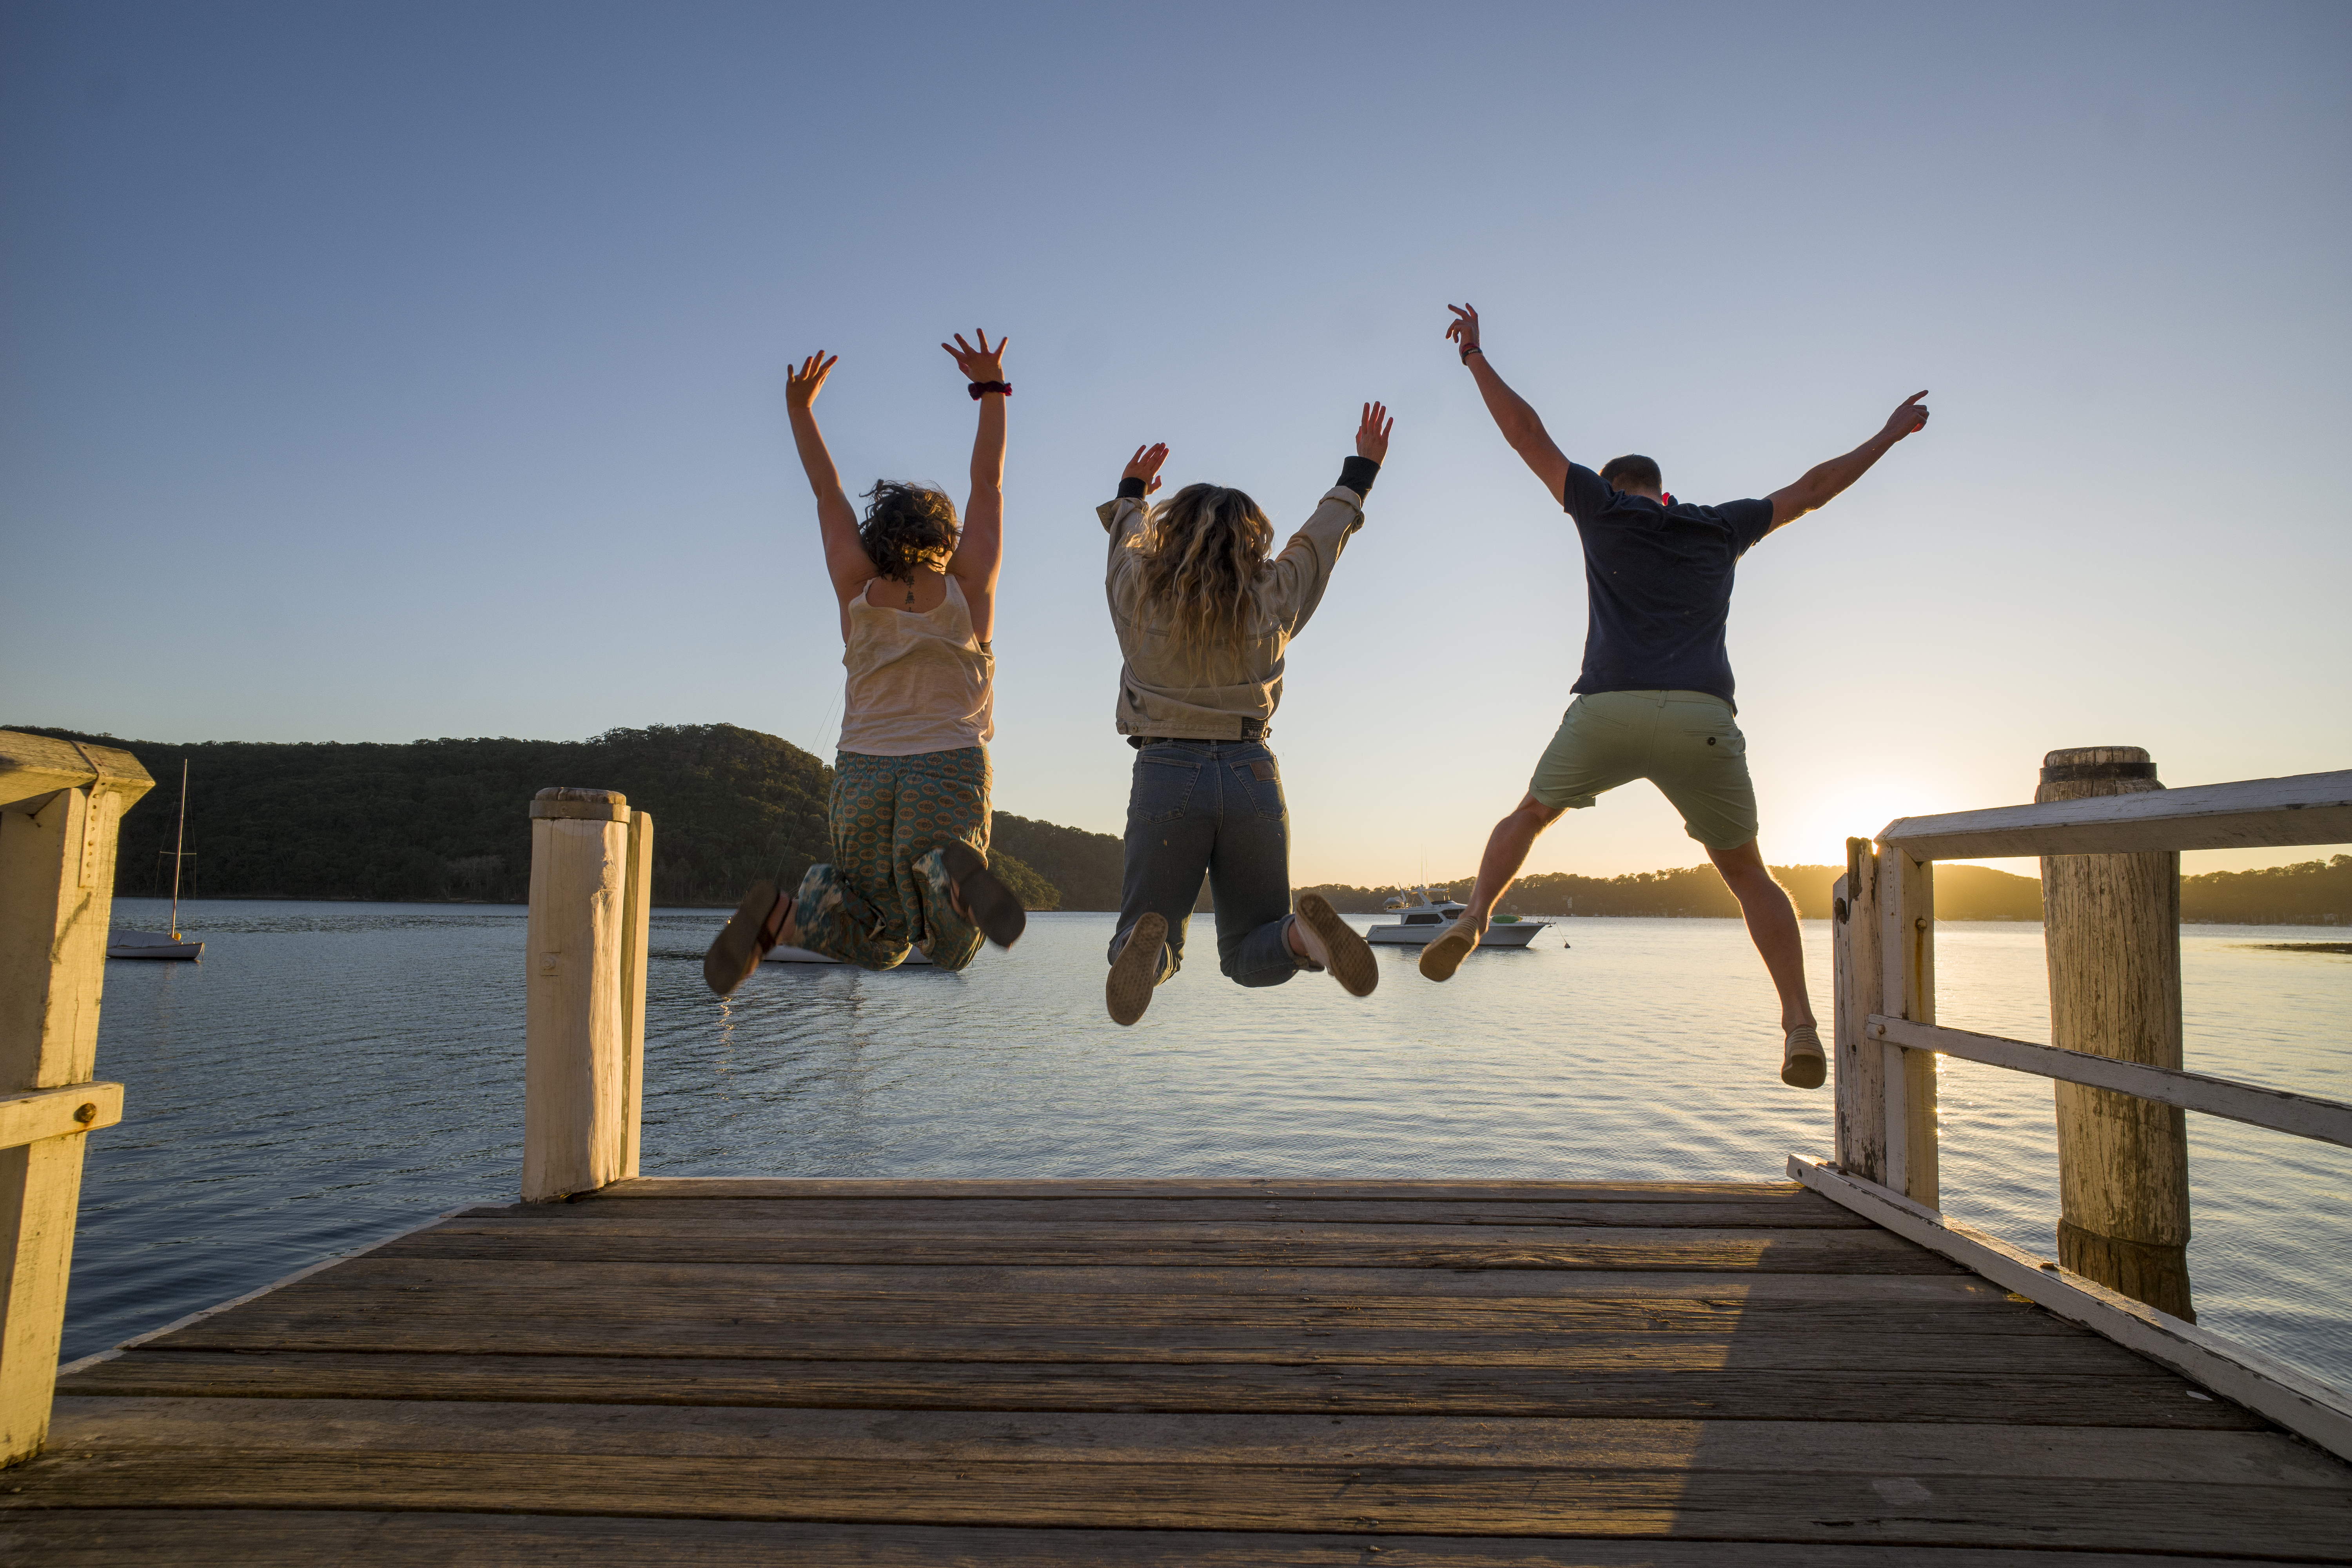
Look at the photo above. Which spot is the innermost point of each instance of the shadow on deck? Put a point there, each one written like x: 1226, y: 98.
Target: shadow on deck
x: 1164, y: 1373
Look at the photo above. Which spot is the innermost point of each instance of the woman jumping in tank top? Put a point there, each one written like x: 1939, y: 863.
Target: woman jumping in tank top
x: 909, y: 816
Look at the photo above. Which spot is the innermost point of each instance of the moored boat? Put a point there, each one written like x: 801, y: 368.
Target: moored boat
x: 151, y: 945
x: 1423, y: 917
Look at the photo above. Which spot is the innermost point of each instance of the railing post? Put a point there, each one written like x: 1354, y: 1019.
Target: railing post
x: 1906, y: 962
x: 590, y: 859
x: 1860, y: 1062
x: 59, y: 806
x: 2111, y: 925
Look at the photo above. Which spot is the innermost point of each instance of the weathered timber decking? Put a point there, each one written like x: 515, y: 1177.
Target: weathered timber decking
x: 1158, y: 1373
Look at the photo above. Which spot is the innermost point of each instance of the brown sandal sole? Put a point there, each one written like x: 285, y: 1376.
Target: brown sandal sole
x: 1126, y: 991
x: 992, y: 907
x: 746, y: 939
x: 1351, y: 963
x: 1441, y: 958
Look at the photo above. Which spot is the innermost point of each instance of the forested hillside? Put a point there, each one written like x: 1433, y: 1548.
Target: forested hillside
x: 449, y: 819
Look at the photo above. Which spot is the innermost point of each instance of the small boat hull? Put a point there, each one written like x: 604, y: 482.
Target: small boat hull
x: 1520, y: 933
x: 151, y: 945
x: 782, y: 954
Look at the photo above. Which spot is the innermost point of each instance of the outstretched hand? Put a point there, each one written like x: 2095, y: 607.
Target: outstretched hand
x: 1463, y: 331
x: 1145, y: 465
x: 801, y: 386
x: 1908, y: 420
x: 981, y: 364
x: 1372, y: 433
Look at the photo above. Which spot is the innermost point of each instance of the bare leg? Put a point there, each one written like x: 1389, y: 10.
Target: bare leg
x: 1506, y: 852
x: 1772, y: 925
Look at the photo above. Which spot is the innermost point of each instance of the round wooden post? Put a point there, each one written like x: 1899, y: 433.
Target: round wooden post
x: 576, y: 1069
x: 2112, y: 927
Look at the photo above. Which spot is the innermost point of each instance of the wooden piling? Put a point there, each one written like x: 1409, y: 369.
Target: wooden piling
x: 60, y: 804
x: 590, y: 859
x: 2112, y: 927
x: 1860, y: 1059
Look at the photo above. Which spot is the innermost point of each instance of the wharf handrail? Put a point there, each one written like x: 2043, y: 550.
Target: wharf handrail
x: 2304, y: 1115
x: 1886, y: 1040
x: 2251, y: 813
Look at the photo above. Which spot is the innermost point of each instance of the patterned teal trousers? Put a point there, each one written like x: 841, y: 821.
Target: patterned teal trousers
x: 885, y: 890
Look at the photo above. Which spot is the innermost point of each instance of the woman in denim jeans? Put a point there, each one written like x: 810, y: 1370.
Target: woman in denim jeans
x: 1204, y: 619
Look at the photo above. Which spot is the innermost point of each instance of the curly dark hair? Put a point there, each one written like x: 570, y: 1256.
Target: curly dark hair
x: 907, y: 526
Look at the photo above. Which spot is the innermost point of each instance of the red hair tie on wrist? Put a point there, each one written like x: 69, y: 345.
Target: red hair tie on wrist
x: 979, y: 388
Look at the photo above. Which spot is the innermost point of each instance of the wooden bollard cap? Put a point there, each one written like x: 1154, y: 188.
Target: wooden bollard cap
x: 583, y: 804
x: 2078, y: 764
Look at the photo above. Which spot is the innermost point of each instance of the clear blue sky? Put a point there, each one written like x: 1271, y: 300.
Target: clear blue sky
x: 388, y: 371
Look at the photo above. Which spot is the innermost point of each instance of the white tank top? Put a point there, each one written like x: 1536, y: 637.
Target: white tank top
x: 917, y: 681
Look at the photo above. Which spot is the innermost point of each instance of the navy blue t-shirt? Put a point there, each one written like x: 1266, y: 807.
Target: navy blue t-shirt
x: 1657, y: 586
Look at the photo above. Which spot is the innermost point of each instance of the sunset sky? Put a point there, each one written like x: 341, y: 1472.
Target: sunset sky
x: 379, y: 372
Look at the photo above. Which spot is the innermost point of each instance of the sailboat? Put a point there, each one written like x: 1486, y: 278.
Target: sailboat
x: 156, y: 944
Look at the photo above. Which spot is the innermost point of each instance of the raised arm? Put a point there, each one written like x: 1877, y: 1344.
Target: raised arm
x: 1822, y: 481
x: 845, y: 561
x: 1520, y: 425
x: 980, y: 548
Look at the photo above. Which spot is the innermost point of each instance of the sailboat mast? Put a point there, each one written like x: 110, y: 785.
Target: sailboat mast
x: 179, y: 846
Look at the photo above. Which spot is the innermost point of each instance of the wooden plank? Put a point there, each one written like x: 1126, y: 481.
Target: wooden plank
x: 2145, y: 1396
x: 1501, y: 1500
x: 245, y: 1538
x: 636, y: 917
x: 2295, y: 1401
x: 59, y: 1112
x: 94, y: 1426
x: 2277, y: 813
x: 2305, y: 1116
x: 1805, y: 1211
x: 1503, y: 1191
x: 1810, y: 1252
x: 34, y: 767
x: 1182, y: 1287
x: 501, y: 1325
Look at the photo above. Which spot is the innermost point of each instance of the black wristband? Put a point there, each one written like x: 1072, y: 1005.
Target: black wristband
x: 977, y: 387
x: 1358, y: 474
x: 1473, y: 349
x: 1130, y: 489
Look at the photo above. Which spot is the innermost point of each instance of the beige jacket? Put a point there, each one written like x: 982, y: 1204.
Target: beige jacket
x: 1227, y: 696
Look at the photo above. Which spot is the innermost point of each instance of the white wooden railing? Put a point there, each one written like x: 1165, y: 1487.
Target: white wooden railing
x: 60, y: 804
x: 1888, y: 1040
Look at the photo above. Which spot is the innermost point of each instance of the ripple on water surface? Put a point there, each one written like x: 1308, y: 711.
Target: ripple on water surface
x: 332, y: 1073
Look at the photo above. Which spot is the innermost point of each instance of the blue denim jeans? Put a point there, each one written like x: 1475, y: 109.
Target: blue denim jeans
x: 1212, y: 807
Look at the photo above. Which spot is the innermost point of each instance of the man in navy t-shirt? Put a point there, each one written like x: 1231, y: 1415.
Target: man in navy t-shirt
x: 1654, y: 698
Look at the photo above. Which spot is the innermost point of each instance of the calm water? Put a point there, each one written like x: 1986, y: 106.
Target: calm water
x: 332, y: 1073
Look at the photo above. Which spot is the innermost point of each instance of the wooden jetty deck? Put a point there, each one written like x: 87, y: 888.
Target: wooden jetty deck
x: 1157, y: 1373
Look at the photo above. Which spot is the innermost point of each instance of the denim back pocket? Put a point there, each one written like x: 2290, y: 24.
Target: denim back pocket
x: 1163, y: 786
x: 1259, y: 779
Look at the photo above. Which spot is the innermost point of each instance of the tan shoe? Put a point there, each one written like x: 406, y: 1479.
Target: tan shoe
x: 1803, y: 1065
x: 1333, y: 943
x: 1441, y: 958
x: 1133, y: 973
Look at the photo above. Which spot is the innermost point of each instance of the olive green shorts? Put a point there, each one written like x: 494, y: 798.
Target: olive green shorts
x: 1682, y: 741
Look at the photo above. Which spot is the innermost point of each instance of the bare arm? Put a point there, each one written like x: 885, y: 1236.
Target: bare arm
x: 845, y: 561
x: 1520, y: 425
x: 1822, y: 481
x: 980, y: 547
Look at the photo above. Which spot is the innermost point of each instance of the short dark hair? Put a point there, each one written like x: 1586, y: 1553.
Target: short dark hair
x: 907, y: 526
x: 1634, y: 469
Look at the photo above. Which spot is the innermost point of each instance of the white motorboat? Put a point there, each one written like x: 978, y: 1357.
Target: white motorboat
x: 159, y: 944
x: 1423, y: 917
x: 781, y: 953
x: 150, y: 945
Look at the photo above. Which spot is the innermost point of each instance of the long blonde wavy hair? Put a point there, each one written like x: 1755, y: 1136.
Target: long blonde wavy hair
x: 1204, y: 549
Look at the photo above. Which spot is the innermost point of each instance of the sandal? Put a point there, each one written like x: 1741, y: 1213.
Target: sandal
x: 1347, y: 955
x: 748, y: 936
x: 1803, y: 1065
x: 988, y: 902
